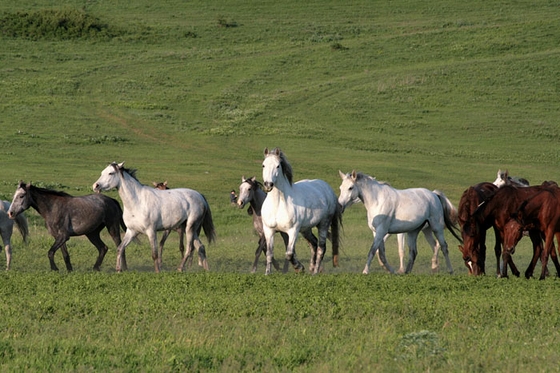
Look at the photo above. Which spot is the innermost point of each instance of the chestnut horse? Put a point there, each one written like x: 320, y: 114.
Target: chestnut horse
x: 540, y: 213
x: 499, y: 209
x: 473, y: 234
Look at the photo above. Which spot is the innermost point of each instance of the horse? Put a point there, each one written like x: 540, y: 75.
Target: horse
x: 250, y: 192
x: 540, y: 212
x: 7, y: 228
x: 148, y: 210
x: 180, y: 230
x: 472, y: 233
x: 391, y: 210
x: 497, y: 210
x: 503, y: 178
x: 297, y: 207
x: 68, y: 216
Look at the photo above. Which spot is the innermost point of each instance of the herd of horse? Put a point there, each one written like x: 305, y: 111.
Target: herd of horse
x: 509, y: 206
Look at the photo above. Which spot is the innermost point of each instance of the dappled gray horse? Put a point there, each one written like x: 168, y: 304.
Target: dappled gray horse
x: 67, y: 216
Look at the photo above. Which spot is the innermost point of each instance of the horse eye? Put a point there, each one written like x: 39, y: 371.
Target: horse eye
x: 278, y: 166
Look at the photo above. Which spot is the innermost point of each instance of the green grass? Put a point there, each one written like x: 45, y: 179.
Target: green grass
x: 420, y: 94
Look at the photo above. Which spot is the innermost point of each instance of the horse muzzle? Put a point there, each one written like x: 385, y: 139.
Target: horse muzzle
x: 11, y: 215
x: 268, y: 186
x: 240, y: 204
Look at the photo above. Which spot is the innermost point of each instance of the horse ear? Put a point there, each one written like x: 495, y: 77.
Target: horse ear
x: 277, y: 151
x: 154, y: 183
x: 342, y: 175
x: 121, y: 165
x: 253, y: 179
x: 354, y: 175
x: 165, y: 183
x: 243, y: 179
x: 265, y: 151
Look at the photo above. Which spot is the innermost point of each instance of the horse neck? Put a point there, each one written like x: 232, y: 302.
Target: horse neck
x: 369, y: 190
x: 41, y: 201
x: 129, y: 189
x: 257, y: 200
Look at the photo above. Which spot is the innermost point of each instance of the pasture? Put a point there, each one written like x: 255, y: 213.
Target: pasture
x: 418, y: 94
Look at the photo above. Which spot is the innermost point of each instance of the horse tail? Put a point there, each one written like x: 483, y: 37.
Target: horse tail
x: 208, y: 223
x: 336, y: 225
x: 450, y: 214
x: 22, y: 226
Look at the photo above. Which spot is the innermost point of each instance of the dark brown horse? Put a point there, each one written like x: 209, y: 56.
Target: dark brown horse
x: 473, y: 233
x: 499, y: 209
x: 68, y: 216
x: 540, y: 213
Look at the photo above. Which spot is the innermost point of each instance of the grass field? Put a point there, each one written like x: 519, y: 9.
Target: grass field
x: 420, y: 94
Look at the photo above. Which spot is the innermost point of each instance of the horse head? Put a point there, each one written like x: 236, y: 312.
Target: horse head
x: 247, y: 191
x: 275, y: 166
x: 160, y: 186
x: 348, y: 191
x: 110, y: 178
x: 21, y: 201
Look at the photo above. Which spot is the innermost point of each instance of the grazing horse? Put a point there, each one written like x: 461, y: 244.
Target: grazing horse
x: 501, y: 207
x: 67, y: 216
x: 474, y: 233
x: 297, y: 207
x: 7, y: 228
x: 148, y: 210
x: 180, y: 230
x: 539, y: 212
x: 391, y: 210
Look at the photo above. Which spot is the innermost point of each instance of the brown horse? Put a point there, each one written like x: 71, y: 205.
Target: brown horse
x: 499, y: 209
x: 540, y: 213
x: 473, y: 234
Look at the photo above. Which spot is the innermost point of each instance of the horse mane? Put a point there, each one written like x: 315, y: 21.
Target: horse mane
x: 130, y: 171
x: 53, y: 192
x: 286, y: 167
x: 361, y: 175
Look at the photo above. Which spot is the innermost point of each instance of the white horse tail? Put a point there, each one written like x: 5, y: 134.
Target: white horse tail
x: 336, y: 225
x: 450, y: 214
x: 208, y: 223
x: 23, y: 228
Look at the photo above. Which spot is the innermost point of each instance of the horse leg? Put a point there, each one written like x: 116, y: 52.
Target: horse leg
x: 312, y: 243
x: 498, y: 250
x: 321, y: 248
x: 548, y: 245
x: 260, y: 248
x: 400, y: 248
x: 269, y: 237
x: 121, y: 259
x: 66, y: 257
x: 6, y: 236
x: 411, y: 240
x: 161, y: 243
x: 115, y: 233
x: 427, y: 231
x: 378, y: 244
x: 58, y: 242
x: 291, y: 253
x: 286, y: 239
x: 181, y: 232
x: 444, y: 249
x: 101, y: 248
x: 193, y: 242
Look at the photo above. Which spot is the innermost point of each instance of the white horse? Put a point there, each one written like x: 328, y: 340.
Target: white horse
x: 148, y: 210
x: 7, y: 228
x: 503, y: 178
x: 294, y: 207
x: 391, y: 210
